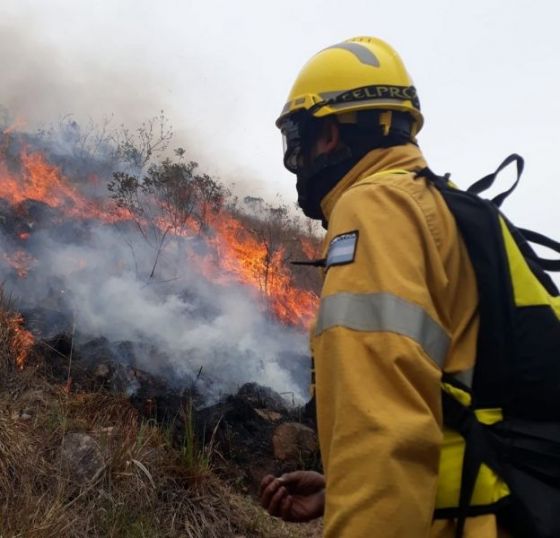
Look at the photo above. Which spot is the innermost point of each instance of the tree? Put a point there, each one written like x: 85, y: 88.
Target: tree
x: 139, y: 147
x: 171, y: 198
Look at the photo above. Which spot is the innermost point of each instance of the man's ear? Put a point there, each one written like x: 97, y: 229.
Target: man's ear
x: 331, y: 135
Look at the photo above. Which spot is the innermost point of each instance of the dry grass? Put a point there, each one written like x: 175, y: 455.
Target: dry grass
x: 144, y: 489
x: 146, y: 486
x: 7, y: 354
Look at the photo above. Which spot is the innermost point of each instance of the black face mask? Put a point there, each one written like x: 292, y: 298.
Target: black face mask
x: 316, y: 179
x: 313, y: 185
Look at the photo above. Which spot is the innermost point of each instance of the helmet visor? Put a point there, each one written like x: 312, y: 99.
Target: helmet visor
x: 299, y: 131
x: 292, y: 140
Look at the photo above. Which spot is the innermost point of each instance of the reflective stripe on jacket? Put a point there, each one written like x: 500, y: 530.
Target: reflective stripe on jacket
x: 390, y: 320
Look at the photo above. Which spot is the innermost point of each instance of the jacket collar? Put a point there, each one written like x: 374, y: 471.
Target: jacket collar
x: 407, y: 157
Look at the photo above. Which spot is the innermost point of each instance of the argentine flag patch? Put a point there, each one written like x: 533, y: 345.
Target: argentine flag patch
x: 342, y: 249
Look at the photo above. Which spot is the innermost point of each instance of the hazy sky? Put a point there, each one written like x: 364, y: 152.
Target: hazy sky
x: 487, y: 73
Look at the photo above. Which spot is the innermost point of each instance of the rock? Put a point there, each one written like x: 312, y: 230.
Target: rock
x: 34, y: 397
x: 239, y: 431
x: 291, y: 441
x: 25, y: 414
x: 267, y: 414
x: 102, y: 371
x: 21, y: 415
x: 258, y: 396
x: 81, y: 456
x: 102, y: 374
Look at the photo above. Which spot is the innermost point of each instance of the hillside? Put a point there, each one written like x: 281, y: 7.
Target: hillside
x: 145, y: 299
x: 76, y: 463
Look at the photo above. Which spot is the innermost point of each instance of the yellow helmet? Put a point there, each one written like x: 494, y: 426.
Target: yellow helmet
x: 361, y: 73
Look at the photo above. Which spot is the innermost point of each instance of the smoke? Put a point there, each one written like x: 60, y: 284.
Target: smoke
x: 97, y: 276
x: 42, y: 81
x: 55, y: 65
x: 193, y: 322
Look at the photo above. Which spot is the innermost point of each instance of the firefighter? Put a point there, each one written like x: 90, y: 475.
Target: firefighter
x: 398, y: 308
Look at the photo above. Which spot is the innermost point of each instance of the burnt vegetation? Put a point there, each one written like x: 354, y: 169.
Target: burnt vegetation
x: 172, y: 195
x: 82, y: 463
x: 91, y: 443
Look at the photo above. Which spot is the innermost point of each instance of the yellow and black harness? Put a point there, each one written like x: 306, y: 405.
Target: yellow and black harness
x: 503, y: 426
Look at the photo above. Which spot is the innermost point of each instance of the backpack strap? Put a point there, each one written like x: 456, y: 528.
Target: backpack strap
x: 486, y: 182
x: 544, y: 241
x: 478, y: 223
x: 478, y: 450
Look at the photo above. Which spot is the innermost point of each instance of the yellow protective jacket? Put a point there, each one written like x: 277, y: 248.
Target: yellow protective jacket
x: 403, y: 309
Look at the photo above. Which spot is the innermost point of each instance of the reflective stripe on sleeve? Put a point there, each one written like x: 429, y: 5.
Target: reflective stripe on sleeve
x: 384, y: 312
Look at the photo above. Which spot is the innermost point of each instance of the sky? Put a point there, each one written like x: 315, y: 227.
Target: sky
x: 487, y: 73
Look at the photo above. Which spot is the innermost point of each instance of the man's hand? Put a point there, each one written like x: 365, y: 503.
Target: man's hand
x: 297, y: 496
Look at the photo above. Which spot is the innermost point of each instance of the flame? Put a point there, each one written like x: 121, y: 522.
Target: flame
x: 18, y: 124
x: 41, y: 181
x: 238, y: 255
x: 310, y: 249
x: 38, y: 181
x: 21, y: 261
x: 21, y: 340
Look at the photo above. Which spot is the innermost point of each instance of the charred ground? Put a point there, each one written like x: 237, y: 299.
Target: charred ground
x: 83, y: 459
x: 145, y: 301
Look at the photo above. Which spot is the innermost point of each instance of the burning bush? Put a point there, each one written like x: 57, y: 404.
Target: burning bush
x: 16, y: 341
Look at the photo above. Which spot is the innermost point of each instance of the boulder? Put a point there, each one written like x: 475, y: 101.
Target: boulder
x: 293, y: 442
x: 81, y: 457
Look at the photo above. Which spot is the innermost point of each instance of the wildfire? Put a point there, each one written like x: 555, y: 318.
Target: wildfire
x: 21, y: 340
x: 243, y: 258
x: 238, y: 255
x: 309, y: 249
x: 39, y: 180
x: 18, y: 124
x: 21, y: 261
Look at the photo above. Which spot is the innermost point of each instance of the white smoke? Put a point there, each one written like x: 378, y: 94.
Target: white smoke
x: 179, y: 322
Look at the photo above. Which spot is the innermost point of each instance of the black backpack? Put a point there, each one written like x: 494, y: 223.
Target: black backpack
x: 518, y: 362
